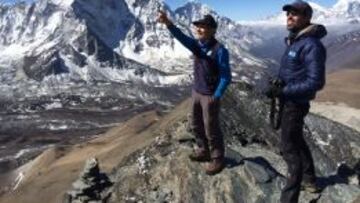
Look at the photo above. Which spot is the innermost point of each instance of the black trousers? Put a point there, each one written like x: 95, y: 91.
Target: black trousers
x: 295, y: 151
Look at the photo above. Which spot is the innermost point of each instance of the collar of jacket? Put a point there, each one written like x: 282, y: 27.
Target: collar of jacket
x: 313, y: 30
x: 208, y: 43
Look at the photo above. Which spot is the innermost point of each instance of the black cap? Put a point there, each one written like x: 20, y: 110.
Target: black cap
x: 299, y: 6
x: 208, y: 20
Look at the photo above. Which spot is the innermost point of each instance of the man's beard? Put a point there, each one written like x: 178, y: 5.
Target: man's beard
x: 297, y: 28
x: 294, y: 29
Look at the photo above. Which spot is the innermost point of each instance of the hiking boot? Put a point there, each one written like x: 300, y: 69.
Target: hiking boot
x: 200, y: 156
x: 215, y: 166
x: 311, y: 187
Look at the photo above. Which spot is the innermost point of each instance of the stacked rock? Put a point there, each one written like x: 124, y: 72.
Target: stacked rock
x: 91, y: 187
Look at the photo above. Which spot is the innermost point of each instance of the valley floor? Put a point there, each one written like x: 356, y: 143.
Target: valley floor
x: 342, y: 87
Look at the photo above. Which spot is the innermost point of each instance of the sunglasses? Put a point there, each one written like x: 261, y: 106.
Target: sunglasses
x: 292, y: 13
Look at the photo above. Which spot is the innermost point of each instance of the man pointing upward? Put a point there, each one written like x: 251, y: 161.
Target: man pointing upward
x: 212, y: 75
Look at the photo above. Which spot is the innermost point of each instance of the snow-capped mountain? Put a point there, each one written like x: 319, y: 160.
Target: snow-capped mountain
x: 120, y: 41
x: 343, y: 12
x: 74, y: 30
x: 108, y: 40
x: 76, y: 48
x: 75, y: 40
x: 227, y: 28
x: 350, y: 9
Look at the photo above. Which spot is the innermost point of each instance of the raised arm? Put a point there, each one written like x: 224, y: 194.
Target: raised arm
x: 185, y: 40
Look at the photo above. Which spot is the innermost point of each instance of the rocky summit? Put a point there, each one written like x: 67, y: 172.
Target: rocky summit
x: 254, y: 171
x: 146, y: 160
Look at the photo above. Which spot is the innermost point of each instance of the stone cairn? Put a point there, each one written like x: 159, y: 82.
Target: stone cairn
x: 91, y: 187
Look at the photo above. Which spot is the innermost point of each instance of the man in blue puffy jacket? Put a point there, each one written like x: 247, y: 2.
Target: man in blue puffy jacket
x: 302, y: 72
x: 211, y: 77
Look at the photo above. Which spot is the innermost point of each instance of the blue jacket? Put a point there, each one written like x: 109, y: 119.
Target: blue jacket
x: 201, y: 51
x: 303, y: 65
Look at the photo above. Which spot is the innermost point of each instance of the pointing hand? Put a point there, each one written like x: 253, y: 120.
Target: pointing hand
x: 162, y: 18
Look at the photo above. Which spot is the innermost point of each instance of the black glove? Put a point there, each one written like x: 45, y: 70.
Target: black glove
x: 274, y: 91
x: 275, y: 88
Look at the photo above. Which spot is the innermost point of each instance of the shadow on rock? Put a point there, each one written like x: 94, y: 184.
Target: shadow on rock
x: 344, y: 175
x: 264, y: 163
x: 233, y: 158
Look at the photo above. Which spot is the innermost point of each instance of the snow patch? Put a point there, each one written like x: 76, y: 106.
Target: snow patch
x: 54, y: 105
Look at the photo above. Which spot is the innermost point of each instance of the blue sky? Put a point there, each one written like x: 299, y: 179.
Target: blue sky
x: 241, y: 9
x: 12, y: 1
x: 247, y: 9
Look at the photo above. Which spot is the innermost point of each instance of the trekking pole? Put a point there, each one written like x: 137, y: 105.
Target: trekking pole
x: 276, y: 107
x: 276, y: 111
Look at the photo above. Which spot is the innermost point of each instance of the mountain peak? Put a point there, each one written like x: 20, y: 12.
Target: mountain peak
x: 350, y: 9
x: 195, y: 6
x: 317, y: 7
x: 62, y: 2
x: 345, y: 3
x: 347, y: 6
